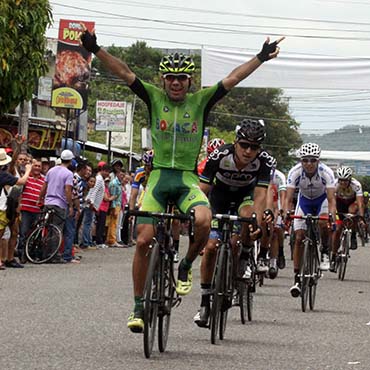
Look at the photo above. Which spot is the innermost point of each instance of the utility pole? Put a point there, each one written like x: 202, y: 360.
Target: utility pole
x: 24, y: 115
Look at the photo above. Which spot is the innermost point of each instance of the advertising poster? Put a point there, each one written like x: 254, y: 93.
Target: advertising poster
x: 72, y: 67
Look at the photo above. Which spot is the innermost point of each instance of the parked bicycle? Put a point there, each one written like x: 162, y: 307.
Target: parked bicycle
x: 43, y: 242
x: 160, y: 284
x: 223, y: 282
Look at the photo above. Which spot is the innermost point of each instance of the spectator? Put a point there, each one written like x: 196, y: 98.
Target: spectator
x: 29, y: 207
x: 57, y: 191
x: 45, y: 165
x: 102, y: 215
x: 125, y: 230
x: 6, y: 182
x: 117, y: 166
x: 89, y: 208
x: 115, y: 190
x: 70, y: 224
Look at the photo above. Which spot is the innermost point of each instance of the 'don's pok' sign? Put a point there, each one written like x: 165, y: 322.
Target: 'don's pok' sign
x: 72, y: 66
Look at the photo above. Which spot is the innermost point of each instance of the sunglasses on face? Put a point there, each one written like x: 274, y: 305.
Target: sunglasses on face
x: 172, y: 77
x: 309, y: 160
x: 245, y: 145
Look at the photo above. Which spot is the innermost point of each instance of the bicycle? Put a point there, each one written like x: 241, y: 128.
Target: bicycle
x: 223, y: 279
x: 309, y: 272
x: 43, y: 243
x: 160, y: 284
x: 344, y: 247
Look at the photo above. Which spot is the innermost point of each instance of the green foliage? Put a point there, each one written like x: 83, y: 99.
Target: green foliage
x: 22, y: 49
x: 365, y: 182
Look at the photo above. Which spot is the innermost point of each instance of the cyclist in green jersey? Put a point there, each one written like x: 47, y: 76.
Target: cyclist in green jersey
x: 177, y: 121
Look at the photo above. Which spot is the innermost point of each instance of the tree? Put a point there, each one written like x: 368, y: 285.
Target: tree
x: 22, y: 49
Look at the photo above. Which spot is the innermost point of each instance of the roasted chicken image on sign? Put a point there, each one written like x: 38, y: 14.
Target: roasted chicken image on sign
x: 71, y: 69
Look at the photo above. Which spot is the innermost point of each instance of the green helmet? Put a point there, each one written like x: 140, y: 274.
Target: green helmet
x: 177, y: 63
x: 366, y: 194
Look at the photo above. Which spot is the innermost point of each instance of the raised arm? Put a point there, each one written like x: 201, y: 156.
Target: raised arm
x: 113, y: 64
x: 269, y: 51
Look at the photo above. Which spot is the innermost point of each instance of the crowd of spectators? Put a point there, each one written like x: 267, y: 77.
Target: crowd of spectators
x: 88, y: 203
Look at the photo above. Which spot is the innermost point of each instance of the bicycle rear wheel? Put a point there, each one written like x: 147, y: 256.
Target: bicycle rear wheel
x: 167, y: 300
x: 217, y: 296
x: 343, y: 257
x: 304, y: 274
x: 151, y: 296
x: 315, y: 274
x: 43, y: 243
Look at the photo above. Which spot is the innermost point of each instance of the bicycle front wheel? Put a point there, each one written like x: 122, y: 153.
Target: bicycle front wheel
x: 217, y: 296
x: 343, y: 257
x: 228, y: 292
x: 43, y: 243
x: 151, y: 295
x: 315, y: 274
x: 167, y: 289
x: 304, y: 274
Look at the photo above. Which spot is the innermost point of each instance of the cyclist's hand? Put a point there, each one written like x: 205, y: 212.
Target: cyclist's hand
x: 255, y: 234
x: 268, y: 216
x: 88, y: 40
x: 269, y: 50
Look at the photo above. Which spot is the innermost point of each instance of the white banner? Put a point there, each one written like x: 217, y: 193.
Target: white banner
x: 121, y: 139
x: 289, y: 71
x: 113, y: 116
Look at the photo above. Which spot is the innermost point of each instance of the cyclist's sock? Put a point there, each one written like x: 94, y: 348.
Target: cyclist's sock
x: 206, y: 294
x: 176, y: 245
x: 281, y: 251
x: 296, y: 277
x: 139, y: 306
x: 185, y: 264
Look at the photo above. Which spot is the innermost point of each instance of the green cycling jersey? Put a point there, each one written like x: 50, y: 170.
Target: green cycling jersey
x: 177, y: 128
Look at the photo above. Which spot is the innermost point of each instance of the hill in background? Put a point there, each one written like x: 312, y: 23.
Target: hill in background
x: 348, y: 138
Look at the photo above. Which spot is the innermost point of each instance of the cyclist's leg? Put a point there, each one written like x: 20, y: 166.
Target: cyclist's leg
x: 176, y: 226
x: 325, y: 234
x: 353, y: 208
x: 299, y: 227
x: 207, y: 267
x: 189, y: 196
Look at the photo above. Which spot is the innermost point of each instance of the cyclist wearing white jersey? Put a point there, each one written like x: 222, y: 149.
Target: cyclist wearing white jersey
x: 316, y: 185
x: 276, y: 200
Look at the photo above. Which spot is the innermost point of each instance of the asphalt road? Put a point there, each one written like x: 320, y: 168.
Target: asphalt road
x: 74, y: 317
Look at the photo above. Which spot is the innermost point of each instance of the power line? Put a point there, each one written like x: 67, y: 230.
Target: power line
x: 176, y: 23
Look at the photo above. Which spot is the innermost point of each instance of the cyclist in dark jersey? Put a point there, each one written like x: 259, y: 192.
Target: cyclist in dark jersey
x: 177, y: 121
x: 237, y: 173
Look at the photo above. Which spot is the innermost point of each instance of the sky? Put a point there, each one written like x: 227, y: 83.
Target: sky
x: 311, y: 27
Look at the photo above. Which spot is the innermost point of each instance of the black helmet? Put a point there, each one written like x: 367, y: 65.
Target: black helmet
x: 177, y: 63
x: 251, y: 130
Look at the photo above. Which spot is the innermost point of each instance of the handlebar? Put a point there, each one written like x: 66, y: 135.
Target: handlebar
x: 164, y: 215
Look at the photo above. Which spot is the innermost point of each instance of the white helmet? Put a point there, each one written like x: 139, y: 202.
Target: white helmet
x: 344, y: 173
x: 309, y: 150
